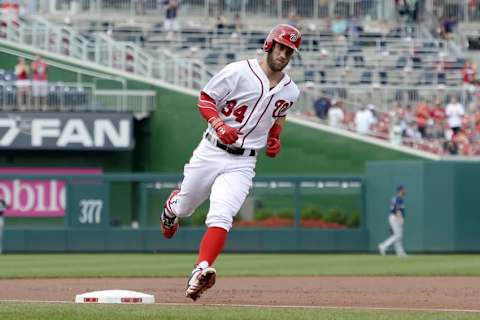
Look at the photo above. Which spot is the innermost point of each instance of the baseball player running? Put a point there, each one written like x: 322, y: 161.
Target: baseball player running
x: 245, y: 106
x: 396, y: 219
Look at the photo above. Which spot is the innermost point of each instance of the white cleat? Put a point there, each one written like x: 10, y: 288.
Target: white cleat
x: 200, y: 281
x: 381, y: 249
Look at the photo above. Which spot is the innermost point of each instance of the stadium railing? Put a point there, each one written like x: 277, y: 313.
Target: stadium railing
x: 77, y: 97
x: 120, y: 56
x: 462, y: 10
x: 206, y: 8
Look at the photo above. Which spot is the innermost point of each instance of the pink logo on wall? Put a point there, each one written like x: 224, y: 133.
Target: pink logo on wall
x: 37, y: 198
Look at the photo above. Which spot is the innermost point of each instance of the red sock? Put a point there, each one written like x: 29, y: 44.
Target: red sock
x: 212, y: 244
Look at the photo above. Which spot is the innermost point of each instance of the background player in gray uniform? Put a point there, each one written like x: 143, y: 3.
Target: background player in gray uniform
x: 396, y: 220
x: 3, y: 207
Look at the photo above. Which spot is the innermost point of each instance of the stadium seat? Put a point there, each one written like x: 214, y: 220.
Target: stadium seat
x: 383, y: 77
x: 417, y: 62
x: 428, y: 78
x: 309, y: 75
x: 212, y: 58
x: 231, y: 57
x: 366, y: 77
x: 441, y: 78
x: 401, y: 62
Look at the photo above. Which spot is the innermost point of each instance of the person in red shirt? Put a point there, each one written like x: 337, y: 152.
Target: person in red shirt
x: 422, y: 114
x: 469, y: 72
x: 461, y: 140
x: 40, y: 84
x: 22, y: 72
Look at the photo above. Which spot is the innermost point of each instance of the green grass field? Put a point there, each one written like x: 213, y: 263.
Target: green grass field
x: 173, y: 265
x: 179, y: 265
x: 146, y: 312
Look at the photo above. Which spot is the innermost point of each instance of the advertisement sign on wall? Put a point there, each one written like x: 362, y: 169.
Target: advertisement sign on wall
x: 66, y: 131
x: 36, y: 197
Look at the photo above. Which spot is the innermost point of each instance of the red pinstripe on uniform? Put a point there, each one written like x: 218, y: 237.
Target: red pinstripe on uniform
x: 256, y: 124
x: 256, y: 103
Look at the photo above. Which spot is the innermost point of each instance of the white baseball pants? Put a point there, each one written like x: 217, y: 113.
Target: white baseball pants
x: 227, y: 178
x: 397, y: 236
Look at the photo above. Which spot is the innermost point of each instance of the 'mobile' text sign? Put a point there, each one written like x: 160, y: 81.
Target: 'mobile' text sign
x: 37, y: 197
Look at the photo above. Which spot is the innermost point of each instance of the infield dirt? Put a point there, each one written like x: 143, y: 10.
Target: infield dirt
x: 388, y: 292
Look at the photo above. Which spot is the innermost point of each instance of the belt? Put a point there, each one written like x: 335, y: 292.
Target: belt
x: 233, y: 150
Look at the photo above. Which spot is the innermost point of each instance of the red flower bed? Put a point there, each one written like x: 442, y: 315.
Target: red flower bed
x: 317, y: 223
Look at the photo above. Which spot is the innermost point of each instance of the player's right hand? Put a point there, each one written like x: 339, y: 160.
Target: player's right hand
x: 225, y: 133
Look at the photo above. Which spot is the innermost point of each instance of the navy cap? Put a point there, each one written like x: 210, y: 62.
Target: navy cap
x: 400, y: 187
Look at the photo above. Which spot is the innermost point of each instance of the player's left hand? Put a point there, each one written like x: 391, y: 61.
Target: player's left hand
x: 273, y: 147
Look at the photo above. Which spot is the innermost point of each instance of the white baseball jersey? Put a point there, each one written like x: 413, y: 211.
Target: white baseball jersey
x: 244, y: 101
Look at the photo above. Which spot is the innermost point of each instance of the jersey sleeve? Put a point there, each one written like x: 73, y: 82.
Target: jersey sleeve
x: 221, y: 84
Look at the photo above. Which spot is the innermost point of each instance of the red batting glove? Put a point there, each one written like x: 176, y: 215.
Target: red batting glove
x: 273, y: 147
x: 225, y: 133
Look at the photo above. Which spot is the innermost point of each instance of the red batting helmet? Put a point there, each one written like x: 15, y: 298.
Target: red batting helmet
x: 285, y: 34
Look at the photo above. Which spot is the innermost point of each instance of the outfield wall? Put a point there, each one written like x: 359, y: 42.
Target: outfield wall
x: 442, y: 213
x: 151, y: 240
x: 441, y: 216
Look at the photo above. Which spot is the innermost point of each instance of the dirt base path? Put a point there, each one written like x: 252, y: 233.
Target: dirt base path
x: 384, y: 292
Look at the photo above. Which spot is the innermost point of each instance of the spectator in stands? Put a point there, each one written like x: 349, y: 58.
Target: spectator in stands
x: 451, y: 147
x: 171, y: 24
x: 396, y: 132
x: 460, y: 139
x: 40, y: 84
x: 22, y: 72
x: 438, y: 116
x: 447, y: 27
x: 455, y: 112
x: 237, y: 23
x: 336, y: 115
x: 411, y: 131
x: 373, y: 110
x: 407, y: 10
x: 355, y: 27
x: 422, y: 115
x: 221, y: 24
x: 322, y: 105
x: 397, y: 111
x: 339, y: 27
x: 408, y: 115
x: 363, y: 120
x: 469, y: 72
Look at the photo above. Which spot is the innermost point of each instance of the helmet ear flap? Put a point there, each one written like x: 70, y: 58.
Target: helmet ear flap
x: 272, y: 45
x: 268, y: 46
